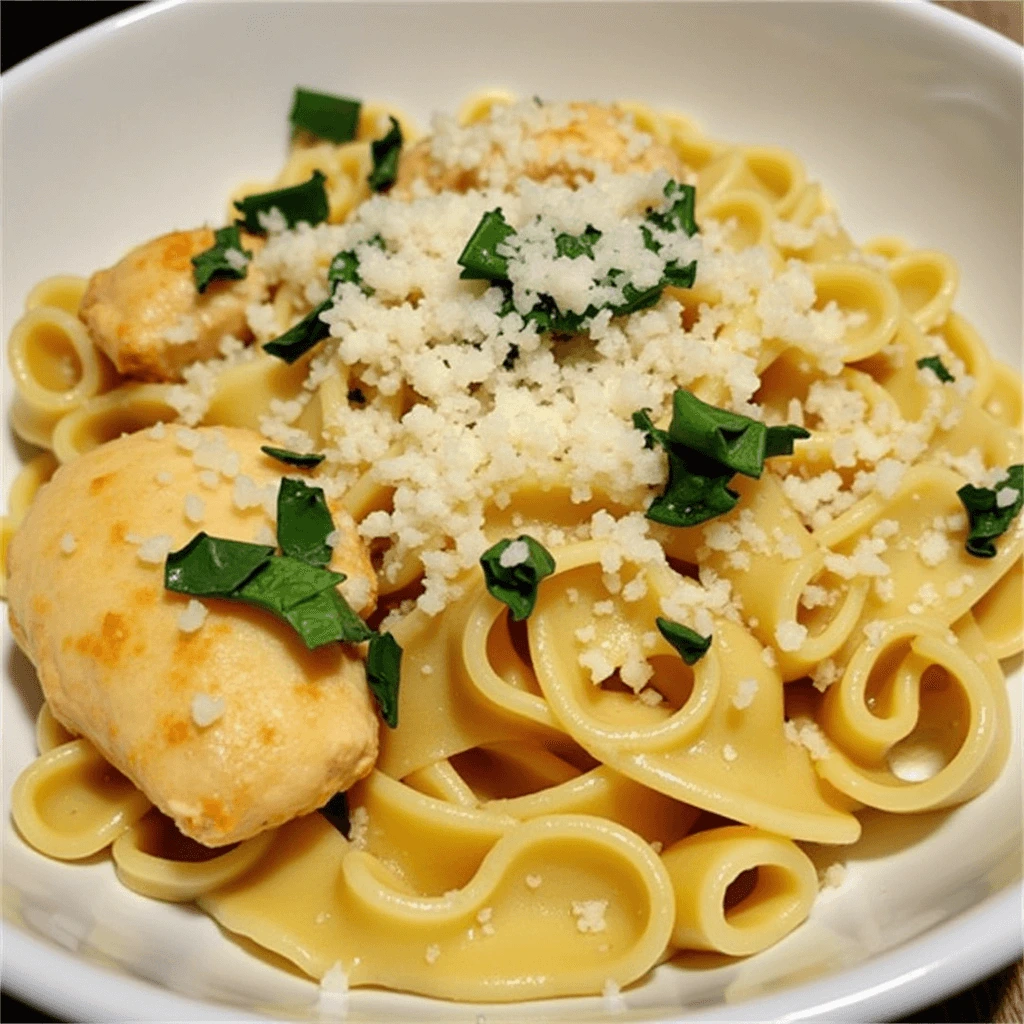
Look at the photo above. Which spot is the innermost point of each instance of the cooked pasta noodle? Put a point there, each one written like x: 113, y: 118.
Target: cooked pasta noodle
x: 547, y: 817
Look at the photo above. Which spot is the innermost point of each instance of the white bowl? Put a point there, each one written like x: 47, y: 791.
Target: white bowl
x: 910, y: 116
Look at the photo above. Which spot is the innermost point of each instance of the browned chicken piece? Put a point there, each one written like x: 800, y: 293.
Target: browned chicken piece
x: 597, y: 133
x: 217, y: 711
x: 147, y: 316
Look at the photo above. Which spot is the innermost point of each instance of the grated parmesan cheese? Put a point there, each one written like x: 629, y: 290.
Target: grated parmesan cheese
x: 746, y: 691
x: 206, y: 709
x: 590, y: 915
x: 68, y: 544
x: 193, y: 617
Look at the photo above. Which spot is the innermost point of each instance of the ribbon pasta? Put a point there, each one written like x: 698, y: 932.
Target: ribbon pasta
x: 547, y: 818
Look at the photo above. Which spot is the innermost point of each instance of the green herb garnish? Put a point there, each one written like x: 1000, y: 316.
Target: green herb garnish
x: 301, y: 459
x: 334, y: 118
x: 295, y: 586
x: 385, y: 153
x: 303, y: 522
x: 214, y: 264
x: 383, y: 671
x: 935, y: 364
x: 299, y: 339
x: 706, y: 447
x: 987, y: 516
x: 690, y: 645
x: 516, y: 585
x: 306, y: 202
x: 479, y: 259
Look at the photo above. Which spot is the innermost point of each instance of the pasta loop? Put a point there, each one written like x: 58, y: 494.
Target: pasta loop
x: 180, y: 870
x: 317, y: 901
x: 704, y: 866
x: 862, y: 292
x: 69, y: 803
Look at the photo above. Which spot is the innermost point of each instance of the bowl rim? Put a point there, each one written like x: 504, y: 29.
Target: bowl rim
x: 925, y: 969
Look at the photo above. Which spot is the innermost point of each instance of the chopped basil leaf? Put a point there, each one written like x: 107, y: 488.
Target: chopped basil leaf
x: 303, y: 460
x: 780, y: 439
x: 690, y: 645
x: 334, y: 118
x: 679, y: 215
x: 516, y: 585
x: 696, y: 491
x: 480, y: 258
x: 572, y: 246
x: 935, y: 364
x: 344, y: 268
x: 303, y: 522
x: 284, y: 583
x: 385, y: 159
x: 336, y: 812
x: 383, y: 671
x: 706, y: 447
x: 298, y: 340
x: 213, y: 263
x: 481, y: 261
x: 306, y: 202
x: 988, y: 517
x: 212, y: 566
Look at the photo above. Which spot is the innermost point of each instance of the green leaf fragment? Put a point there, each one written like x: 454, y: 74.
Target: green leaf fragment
x: 383, y: 672
x: 213, y: 263
x: 334, y: 118
x: 303, y: 460
x: 516, y: 585
x: 304, y: 202
x: 299, y: 339
x: 479, y: 259
x: 385, y: 154
x: 212, y: 566
x: 935, y: 364
x: 706, y: 447
x: 989, y: 512
x: 304, y: 522
x: 690, y: 644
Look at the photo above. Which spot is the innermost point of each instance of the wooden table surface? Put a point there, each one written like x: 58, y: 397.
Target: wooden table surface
x: 999, y: 999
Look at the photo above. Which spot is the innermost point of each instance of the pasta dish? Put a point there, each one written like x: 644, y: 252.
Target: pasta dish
x: 484, y: 565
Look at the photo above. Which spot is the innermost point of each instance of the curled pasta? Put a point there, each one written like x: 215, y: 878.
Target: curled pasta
x: 124, y: 410
x: 153, y: 859
x: 69, y: 803
x: 704, y: 866
x: 64, y: 291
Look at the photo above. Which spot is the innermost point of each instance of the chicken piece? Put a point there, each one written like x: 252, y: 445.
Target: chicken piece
x: 559, y: 150
x: 118, y: 663
x: 147, y: 316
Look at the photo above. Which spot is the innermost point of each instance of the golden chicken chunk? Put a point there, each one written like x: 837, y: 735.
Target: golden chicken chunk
x: 561, y: 150
x: 215, y: 709
x: 146, y: 314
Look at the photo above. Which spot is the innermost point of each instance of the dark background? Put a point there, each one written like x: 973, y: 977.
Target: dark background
x: 42, y: 22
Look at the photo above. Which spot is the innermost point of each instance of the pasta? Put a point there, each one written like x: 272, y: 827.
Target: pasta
x: 618, y: 718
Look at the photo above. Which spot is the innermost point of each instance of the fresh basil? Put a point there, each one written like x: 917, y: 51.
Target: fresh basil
x: 299, y: 339
x: 385, y: 154
x: 305, y: 202
x: 301, y: 459
x: 479, y: 259
x: 706, y: 447
x: 295, y: 586
x: 988, y: 519
x: 690, y: 644
x: 212, y: 566
x: 213, y: 263
x: 334, y: 118
x: 935, y: 364
x: 303, y: 522
x: 383, y: 671
x: 516, y: 585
